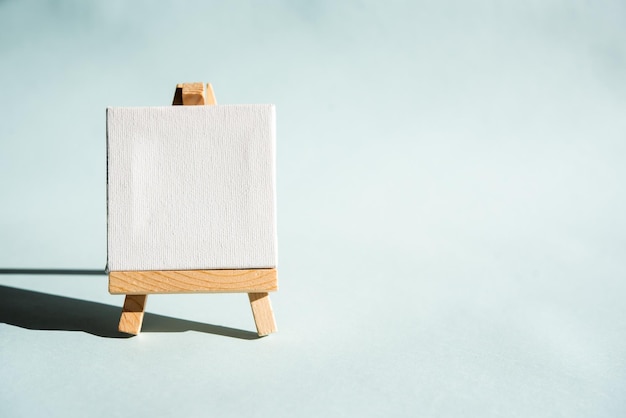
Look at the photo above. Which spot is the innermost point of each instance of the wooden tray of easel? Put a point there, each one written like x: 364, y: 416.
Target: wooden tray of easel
x: 136, y: 285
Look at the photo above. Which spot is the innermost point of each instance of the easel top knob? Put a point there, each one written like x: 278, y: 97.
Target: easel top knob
x: 194, y: 94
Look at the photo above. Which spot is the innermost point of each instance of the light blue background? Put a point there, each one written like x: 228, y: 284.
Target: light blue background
x: 450, y: 196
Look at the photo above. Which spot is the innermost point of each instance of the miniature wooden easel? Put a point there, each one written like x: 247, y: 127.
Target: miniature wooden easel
x: 137, y: 285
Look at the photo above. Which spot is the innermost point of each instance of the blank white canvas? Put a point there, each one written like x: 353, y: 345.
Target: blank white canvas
x: 191, y: 187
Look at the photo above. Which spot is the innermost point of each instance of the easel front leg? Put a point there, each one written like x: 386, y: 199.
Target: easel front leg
x: 262, y: 312
x: 132, y: 314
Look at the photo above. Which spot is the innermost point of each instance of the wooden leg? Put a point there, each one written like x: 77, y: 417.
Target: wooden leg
x: 132, y: 314
x: 263, y: 314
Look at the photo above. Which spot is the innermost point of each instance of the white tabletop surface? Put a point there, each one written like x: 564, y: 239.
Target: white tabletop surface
x: 450, y: 210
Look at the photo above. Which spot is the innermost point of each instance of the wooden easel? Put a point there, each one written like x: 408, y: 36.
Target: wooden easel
x: 137, y: 285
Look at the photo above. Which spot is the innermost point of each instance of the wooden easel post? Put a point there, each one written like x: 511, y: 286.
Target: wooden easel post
x: 136, y: 285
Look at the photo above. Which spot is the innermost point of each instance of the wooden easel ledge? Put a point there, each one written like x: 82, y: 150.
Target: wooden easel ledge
x: 192, y: 281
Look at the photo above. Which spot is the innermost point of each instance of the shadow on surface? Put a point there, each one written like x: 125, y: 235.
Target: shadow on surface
x: 42, y: 311
x: 52, y: 271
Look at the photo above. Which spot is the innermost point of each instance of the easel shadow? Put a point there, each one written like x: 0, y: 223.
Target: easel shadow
x: 42, y: 311
x: 64, y: 272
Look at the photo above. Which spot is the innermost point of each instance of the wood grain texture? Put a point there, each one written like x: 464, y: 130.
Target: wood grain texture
x: 263, y: 314
x: 193, y: 94
x: 132, y: 314
x: 192, y: 281
x: 210, y: 95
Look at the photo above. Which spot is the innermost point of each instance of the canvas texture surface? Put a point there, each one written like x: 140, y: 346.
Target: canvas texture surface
x: 191, y: 187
